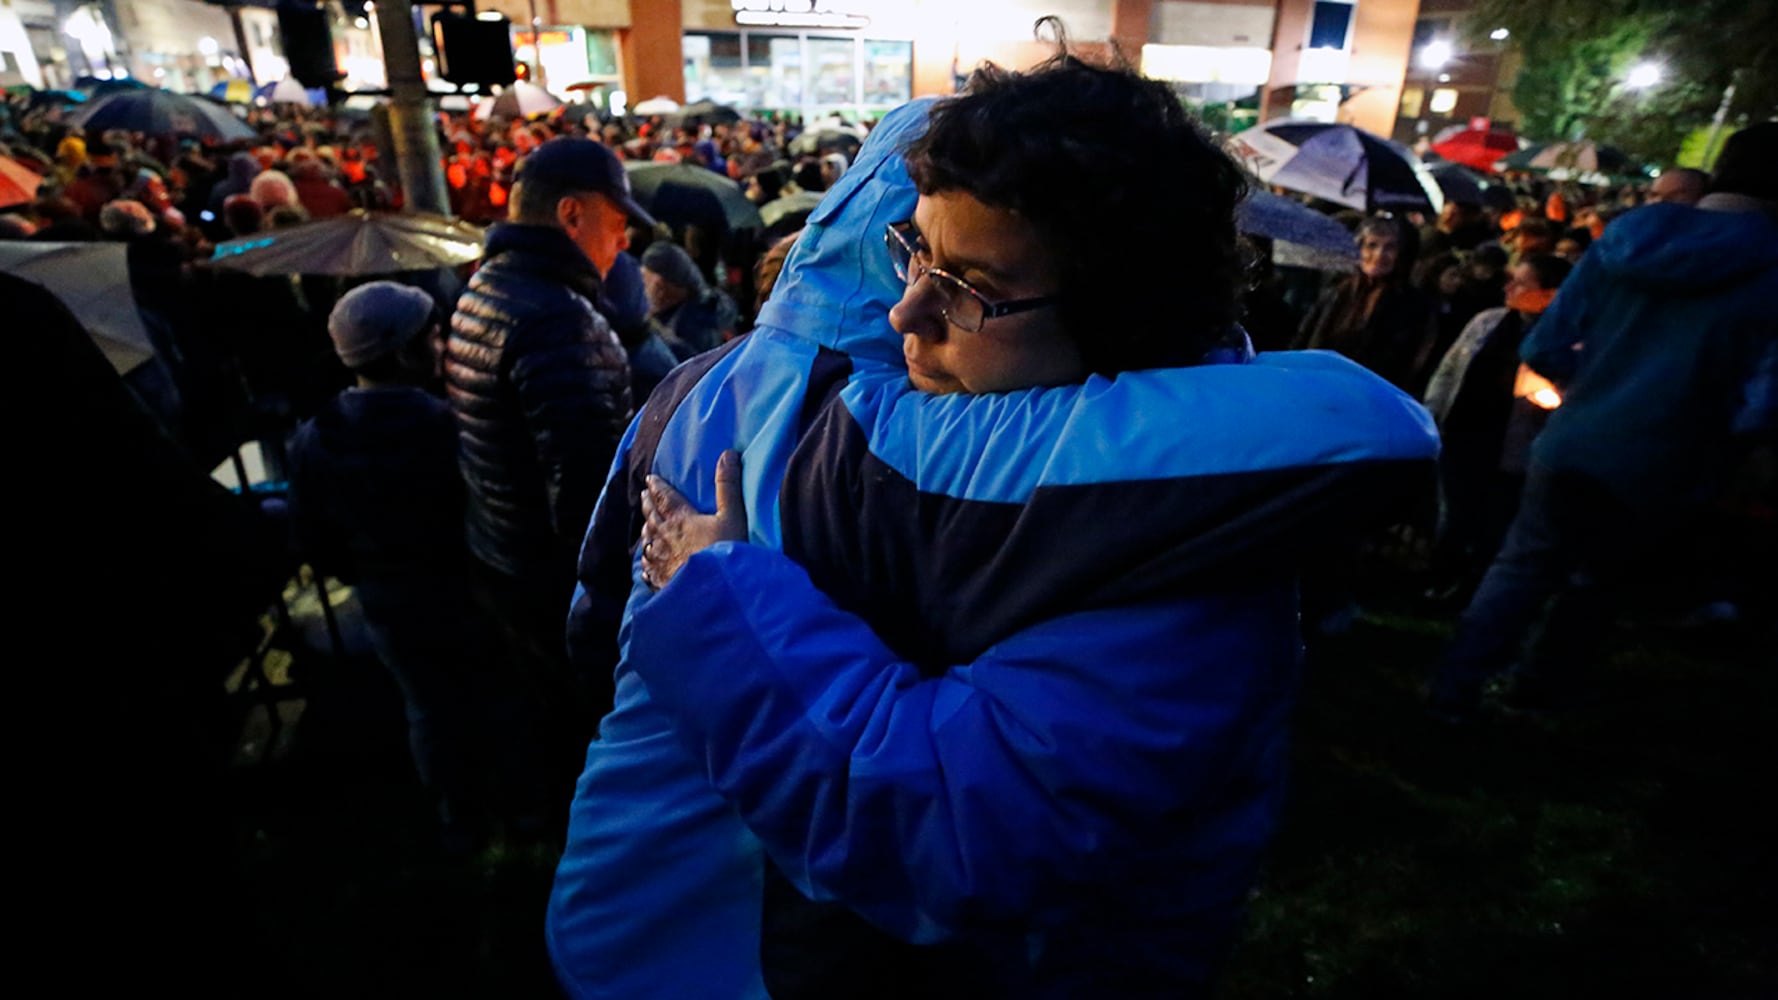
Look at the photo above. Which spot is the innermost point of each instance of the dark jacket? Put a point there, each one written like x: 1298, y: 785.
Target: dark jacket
x: 541, y: 390
x: 1655, y: 341
x: 375, y: 490
x: 1394, y: 338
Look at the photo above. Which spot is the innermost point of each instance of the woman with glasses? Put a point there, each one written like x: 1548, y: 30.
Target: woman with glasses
x: 975, y: 681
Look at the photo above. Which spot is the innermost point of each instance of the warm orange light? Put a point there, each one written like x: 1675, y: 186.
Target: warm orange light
x: 1534, y: 387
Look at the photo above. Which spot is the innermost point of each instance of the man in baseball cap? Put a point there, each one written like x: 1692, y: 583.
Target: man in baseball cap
x: 541, y: 389
x: 581, y: 186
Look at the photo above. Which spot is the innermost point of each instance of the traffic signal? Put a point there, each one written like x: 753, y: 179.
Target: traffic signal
x: 471, y: 50
x: 308, y: 44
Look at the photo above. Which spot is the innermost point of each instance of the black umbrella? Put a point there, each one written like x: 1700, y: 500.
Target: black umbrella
x: 705, y: 112
x: 162, y: 113
x: 684, y: 193
x: 357, y: 243
x: 826, y: 140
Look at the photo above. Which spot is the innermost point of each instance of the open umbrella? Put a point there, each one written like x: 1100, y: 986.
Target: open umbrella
x: 40, y: 98
x: 522, y: 100
x: 93, y: 281
x: 705, y: 112
x: 685, y: 193
x: 291, y: 91
x: 1340, y: 163
x: 161, y: 112
x: 1282, y: 220
x: 18, y: 183
x: 234, y: 91
x: 1461, y: 183
x: 357, y: 243
x: 826, y: 140
x: 1474, y: 147
x: 1585, y: 155
x: 100, y: 88
x: 656, y: 106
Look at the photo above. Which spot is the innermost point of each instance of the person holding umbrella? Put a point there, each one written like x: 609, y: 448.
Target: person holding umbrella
x: 1375, y: 316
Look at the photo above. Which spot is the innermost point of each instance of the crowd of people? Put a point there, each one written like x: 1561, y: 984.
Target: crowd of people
x: 777, y: 575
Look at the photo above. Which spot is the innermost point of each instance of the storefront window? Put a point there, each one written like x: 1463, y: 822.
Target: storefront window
x: 763, y: 71
x: 833, y: 72
x: 888, y: 74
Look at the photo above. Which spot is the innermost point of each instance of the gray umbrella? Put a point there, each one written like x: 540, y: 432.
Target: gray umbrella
x: 357, y: 243
x: 93, y: 281
x: 161, y: 112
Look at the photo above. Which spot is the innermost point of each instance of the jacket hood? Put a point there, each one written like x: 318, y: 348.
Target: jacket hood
x: 1677, y: 247
x: 837, y: 286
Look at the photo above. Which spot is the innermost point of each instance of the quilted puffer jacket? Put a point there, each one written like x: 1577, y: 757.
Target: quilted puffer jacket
x: 540, y: 386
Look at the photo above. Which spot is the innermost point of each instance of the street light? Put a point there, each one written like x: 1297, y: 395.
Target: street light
x: 1500, y: 34
x: 1436, y: 54
x: 1645, y: 75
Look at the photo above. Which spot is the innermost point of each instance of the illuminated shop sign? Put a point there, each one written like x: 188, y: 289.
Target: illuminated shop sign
x: 799, y: 14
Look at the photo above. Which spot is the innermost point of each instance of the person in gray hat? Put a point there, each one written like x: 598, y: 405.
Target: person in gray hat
x: 682, y: 302
x: 541, y: 389
x: 376, y: 499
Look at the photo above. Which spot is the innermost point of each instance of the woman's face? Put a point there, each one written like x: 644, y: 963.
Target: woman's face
x: 1377, y: 253
x: 1004, y: 258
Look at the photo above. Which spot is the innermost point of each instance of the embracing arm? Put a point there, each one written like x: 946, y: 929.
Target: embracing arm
x: 989, y: 793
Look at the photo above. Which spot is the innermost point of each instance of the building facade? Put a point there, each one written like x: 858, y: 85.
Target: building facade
x: 1455, y: 77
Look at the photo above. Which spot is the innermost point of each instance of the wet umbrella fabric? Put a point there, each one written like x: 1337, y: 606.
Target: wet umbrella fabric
x: 684, y: 193
x: 1282, y: 220
x: 1583, y: 157
x: 159, y: 112
x: 1340, y: 163
x: 18, y: 183
x: 357, y: 243
x: 93, y: 281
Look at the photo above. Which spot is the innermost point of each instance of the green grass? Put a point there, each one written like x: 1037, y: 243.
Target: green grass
x: 1622, y: 851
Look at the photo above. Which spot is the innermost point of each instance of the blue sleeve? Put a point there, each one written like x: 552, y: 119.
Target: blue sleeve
x: 931, y: 803
x: 1553, y: 347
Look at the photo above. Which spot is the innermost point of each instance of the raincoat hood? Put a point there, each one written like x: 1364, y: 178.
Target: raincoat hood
x: 1681, y: 249
x: 839, y: 269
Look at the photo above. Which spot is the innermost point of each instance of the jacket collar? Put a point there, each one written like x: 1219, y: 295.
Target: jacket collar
x: 546, y: 251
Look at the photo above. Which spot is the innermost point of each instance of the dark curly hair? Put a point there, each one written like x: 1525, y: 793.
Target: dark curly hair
x: 1112, y: 170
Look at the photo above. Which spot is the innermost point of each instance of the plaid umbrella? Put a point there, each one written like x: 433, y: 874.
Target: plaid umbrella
x: 1340, y: 163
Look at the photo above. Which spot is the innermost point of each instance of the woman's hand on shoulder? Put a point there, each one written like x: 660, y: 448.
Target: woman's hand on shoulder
x: 674, y: 531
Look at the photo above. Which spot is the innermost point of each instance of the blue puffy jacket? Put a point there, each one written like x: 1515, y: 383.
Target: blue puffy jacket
x: 1032, y: 719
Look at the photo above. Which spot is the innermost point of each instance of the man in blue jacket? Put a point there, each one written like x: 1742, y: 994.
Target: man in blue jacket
x: 1045, y: 762
x: 1663, y: 344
